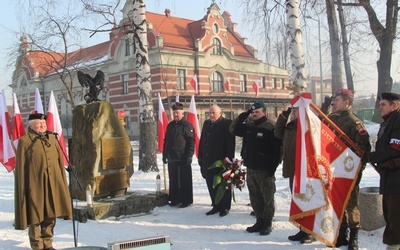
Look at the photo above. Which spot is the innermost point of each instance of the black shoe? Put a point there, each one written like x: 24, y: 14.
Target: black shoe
x: 184, y: 205
x: 308, y: 239
x: 223, y: 213
x: 266, y: 227
x: 214, y: 210
x: 256, y: 227
x: 253, y: 213
x: 298, y: 236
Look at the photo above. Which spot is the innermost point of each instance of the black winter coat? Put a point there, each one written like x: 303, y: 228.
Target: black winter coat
x: 261, y: 150
x: 179, y: 141
x: 216, y: 143
x: 386, y: 144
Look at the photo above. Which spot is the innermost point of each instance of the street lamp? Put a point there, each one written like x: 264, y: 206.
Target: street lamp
x: 320, y: 56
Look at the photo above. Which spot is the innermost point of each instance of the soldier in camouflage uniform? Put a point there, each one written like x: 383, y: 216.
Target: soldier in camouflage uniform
x: 261, y: 156
x: 353, y: 127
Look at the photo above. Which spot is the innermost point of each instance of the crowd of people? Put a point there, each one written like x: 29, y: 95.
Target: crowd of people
x: 266, y: 143
x: 42, y: 194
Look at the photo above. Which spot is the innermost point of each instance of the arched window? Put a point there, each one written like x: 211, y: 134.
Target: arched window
x: 216, y: 82
x: 217, y: 47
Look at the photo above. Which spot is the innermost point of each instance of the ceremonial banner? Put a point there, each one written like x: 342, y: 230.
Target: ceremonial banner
x: 325, y: 173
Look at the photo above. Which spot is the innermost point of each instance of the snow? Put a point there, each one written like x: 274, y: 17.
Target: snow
x: 188, y: 228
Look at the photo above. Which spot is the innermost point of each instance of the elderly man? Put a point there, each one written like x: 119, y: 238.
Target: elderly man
x: 41, y: 189
x: 216, y: 143
x: 178, y: 153
x: 261, y: 152
x: 386, y: 158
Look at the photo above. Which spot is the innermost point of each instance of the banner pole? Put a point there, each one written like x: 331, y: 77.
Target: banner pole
x: 324, y: 118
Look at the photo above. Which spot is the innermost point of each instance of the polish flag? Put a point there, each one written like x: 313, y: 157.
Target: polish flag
x: 162, y: 124
x: 192, y: 118
x: 18, y: 126
x: 54, y: 124
x: 194, y: 84
x: 326, y: 170
x: 38, y: 102
x: 7, y: 153
x: 227, y: 86
x: 256, y: 88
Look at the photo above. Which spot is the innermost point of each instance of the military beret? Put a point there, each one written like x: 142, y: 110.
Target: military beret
x: 257, y: 105
x: 389, y: 96
x: 177, y: 106
x: 38, y: 116
x: 344, y: 92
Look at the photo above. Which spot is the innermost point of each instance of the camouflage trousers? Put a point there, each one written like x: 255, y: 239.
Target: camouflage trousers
x: 262, y: 190
x: 351, y: 215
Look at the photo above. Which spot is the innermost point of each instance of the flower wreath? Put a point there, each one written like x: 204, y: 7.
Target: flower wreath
x: 229, y: 174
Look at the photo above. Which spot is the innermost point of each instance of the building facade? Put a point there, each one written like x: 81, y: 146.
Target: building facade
x: 210, y: 49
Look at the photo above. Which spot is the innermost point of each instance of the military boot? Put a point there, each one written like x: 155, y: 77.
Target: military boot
x: 342, y: 239
x: 266, y: 227
x: 256, y: 227
x: 353, y: 242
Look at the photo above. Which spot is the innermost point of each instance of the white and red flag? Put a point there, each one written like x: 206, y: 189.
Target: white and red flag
x: 194, y: 84
x: 256, y: 88
x: 162, y: 124
x: 177, y: 98
x: 38, y: 102
x: 54, y: 125
x: 227, y: 86
x: 7, y: 153
x: 18, y: 125
x: 192, y: 118
x: 325, y: 173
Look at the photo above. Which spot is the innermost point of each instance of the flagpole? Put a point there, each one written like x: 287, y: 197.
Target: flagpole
x: 336, y: 129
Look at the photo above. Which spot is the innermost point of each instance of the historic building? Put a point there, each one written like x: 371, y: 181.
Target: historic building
x: 226, y: 68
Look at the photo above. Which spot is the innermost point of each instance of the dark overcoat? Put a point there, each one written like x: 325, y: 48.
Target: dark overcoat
x: 41, y: 188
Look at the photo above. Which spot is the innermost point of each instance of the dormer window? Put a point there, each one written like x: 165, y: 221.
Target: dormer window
x: 127, y: 47
x: 217, y: 47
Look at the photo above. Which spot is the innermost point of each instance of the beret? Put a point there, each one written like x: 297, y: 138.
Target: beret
x: 38, y: 116
x: 344, y: 92
x: 389, y: 96
x: 257, y: 105
x: 177, y: 106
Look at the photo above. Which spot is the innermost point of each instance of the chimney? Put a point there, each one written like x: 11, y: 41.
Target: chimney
x: 167, y: 13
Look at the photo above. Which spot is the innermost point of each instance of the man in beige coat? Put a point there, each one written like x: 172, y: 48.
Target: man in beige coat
x: 41, y: 188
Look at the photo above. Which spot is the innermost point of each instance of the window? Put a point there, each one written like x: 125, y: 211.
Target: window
x: 124, y: 79
x: 181, y: 79
x: 243, y: 83
x: 263, y: 82
x: 216, y: 82
x: 127, y: 47
x: 275, y: 84
x: 215, y: 28
x: 283, y: 83
x: 216, y: 47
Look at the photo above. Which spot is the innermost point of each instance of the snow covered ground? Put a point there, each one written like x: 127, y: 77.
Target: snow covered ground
x: 189, y: 228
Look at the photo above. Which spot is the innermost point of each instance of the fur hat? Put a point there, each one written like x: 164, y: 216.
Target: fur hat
x: 177, y: 106
x: 38, y: 116
x: 389, y: 96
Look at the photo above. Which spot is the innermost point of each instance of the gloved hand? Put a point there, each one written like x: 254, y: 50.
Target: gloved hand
x: 70, y: 169
x: 249, y: 111
x: 326, y: 104
x: 189, y: 160
x: 286, y: 113
x: 164, y: 159
x: 365, y: 158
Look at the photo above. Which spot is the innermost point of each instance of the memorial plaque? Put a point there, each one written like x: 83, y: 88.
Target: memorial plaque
x: 111, y: 182
x: 115, y: 152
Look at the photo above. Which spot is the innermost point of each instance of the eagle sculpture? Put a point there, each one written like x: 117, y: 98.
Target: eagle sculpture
x: 95, y: 85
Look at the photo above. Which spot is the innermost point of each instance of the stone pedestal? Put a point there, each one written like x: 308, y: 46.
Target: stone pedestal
x: 370, y: 203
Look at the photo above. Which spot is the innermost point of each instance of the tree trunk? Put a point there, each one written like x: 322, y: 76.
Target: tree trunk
x: 345, y: 46
x: 296, y: 44
x: 147, y: 141
x: 385, y: 37
x: 337, y: 82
